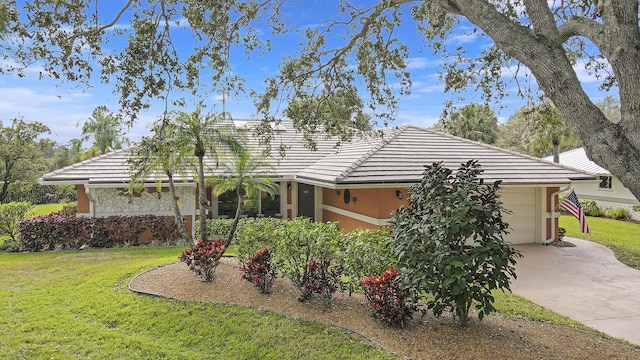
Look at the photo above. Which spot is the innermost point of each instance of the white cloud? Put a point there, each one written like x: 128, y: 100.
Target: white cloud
x: 60, y: 113
x: 415, y: 118
x: 423, y: 63
x: 464, y: 38
x: 588, y: 76
x: 427, y: 88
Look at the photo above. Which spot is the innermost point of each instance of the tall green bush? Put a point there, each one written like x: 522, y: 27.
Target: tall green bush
x: 256, y: 234
x: 591, y: 208
x: 298, y: 243
x: 364, y: 253
x: 10, y: 216
x: 251, y: 236
x: 449, y: 241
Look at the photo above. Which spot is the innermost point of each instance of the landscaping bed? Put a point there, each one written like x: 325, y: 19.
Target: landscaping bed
x: 424, y: 338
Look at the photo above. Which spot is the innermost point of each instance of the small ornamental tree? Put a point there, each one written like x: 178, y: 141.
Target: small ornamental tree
x: 388, y: 300
x: 259, y: 271
x: 320, y: 278
x: 449, y: 241
x: 203, y: 258
x: 10, y: 216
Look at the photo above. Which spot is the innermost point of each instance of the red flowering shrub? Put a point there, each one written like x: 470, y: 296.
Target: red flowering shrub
x: 388, y: 300
x: 320, y: 278
x: 202, y: 258
x: 260, y: 271
x: 46, y: 232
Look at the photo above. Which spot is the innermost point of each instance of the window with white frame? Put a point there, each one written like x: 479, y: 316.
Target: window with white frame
x: 605, y: 182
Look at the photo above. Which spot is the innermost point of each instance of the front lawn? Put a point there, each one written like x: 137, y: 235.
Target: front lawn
x: 65, y: 305
x: 45, y: 209
x: 622, y: 237
x: 41, y: 209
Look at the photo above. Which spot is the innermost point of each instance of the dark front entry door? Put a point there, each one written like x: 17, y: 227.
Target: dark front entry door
x: 306, y: 205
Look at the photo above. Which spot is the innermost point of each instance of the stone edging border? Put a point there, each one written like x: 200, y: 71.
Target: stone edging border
x: 272, y: 311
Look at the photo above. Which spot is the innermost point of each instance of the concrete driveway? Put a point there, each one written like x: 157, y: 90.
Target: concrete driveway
x: 585, y: 283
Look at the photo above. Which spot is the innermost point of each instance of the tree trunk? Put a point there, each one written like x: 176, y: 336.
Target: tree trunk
x: 556, y: 151
x: 232, y: 231
x: 203, y: 200
x: 615, y: 147
x: 5, y: 183
x: 182, y: 229
x: 236, y: 219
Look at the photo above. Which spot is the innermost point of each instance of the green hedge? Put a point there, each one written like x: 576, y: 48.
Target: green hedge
x: 360, y: 253
x: 48, y: 232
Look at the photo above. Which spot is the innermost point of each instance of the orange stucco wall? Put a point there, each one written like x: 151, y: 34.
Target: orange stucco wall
x: 551, y: 190
x: 83, y: 200
x: 375, y: 203
x: 345, y: 222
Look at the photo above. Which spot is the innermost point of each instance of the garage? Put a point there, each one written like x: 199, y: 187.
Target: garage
x: 521, y: 201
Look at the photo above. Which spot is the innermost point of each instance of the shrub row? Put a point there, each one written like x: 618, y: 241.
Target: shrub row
x: 48, y: 232
x: 319, y: 260
x: 591, y: 208
x: 294, y: 243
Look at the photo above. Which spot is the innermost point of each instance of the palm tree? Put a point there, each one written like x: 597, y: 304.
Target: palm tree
x: 105, y: 130
x: 157, y: 154
x: 243, y: 173
x: 546, y: 129
x: 203, y: 135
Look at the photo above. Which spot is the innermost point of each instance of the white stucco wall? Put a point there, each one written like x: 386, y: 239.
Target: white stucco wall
x: 109, y: 201
x: 618, y: 197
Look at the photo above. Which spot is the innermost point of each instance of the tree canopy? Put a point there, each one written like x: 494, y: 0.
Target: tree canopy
x: 540, y: 39
x: 21, y: 157
x: 475, y: 122
x: 105, y: 130
x: 538, y: 130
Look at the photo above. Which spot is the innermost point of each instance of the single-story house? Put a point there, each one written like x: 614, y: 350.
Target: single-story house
x: 357, y: 184
x: 607, y: 191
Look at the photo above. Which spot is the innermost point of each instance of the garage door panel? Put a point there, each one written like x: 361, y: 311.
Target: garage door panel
x: 521, y: 202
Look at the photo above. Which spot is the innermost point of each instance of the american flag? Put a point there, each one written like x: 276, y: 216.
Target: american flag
x: 572, y: 205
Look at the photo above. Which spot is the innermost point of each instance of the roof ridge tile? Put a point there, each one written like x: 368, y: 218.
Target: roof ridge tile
x: 394, y: 131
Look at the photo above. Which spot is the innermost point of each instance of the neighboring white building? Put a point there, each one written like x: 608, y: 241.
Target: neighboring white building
x: 608, y: 192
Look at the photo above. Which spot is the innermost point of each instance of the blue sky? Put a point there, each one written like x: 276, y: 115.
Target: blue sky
x: 64, y: 107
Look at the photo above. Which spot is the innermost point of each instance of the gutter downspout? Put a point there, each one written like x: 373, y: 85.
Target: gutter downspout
x: 193, y: 216
x: 553, y: 214
x: 92, y: 208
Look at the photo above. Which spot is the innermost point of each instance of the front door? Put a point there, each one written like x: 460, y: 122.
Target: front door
x: 306, y: 203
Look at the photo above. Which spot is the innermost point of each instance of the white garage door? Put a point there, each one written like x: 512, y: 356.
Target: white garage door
x: 522, y: 220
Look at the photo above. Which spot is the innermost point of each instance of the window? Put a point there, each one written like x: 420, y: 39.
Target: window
x: 227, y: 203
x: 269, y: 205
x: 605, y: 182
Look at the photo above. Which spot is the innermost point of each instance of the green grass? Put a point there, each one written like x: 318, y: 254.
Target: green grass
x: 622, y: 237
x: 38, y: 210
x: 44, y: 209
x: 513, y: 306
x: 76, y: 305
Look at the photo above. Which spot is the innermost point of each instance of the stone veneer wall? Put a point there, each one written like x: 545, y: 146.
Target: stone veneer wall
x: 109, y: 201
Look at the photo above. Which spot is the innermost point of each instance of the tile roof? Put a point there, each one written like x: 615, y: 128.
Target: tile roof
x: 401, y: 155
x: 578, y: 159
x: 398, y: 156
x: 109, y: 168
